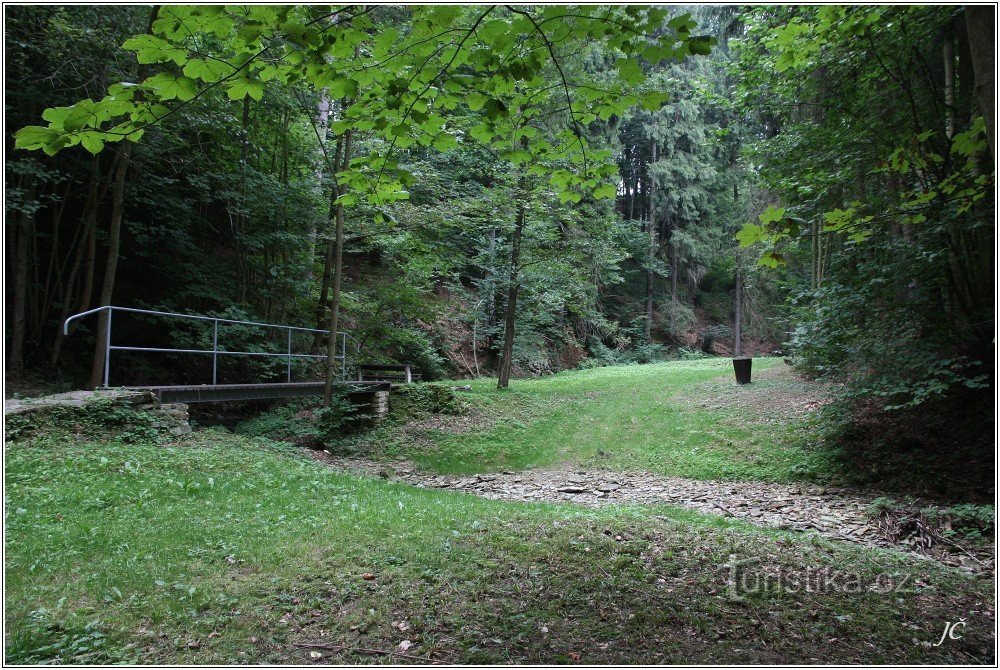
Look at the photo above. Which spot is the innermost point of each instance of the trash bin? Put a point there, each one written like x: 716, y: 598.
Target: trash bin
x: 742, y: 367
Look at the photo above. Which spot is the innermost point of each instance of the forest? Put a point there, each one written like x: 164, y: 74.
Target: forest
x: 476, y: 194
x: 504, y: 194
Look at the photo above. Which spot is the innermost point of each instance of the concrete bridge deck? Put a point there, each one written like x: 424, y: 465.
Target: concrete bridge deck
x: 220, y: 392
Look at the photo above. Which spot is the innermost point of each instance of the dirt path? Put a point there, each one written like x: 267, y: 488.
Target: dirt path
x: 832, y: 512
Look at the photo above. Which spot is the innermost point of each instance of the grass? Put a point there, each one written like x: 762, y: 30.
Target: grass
x: 226, y: 549
x: 220, y: 548
x: 641, y: 417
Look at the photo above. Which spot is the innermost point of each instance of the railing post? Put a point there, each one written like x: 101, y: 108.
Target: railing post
x: 409, y: 377
x: 215, y: 350
x: 289, y: 375
x: 107, y: 348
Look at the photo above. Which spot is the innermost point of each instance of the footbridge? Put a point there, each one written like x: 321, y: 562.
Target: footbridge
x: 214, y: 391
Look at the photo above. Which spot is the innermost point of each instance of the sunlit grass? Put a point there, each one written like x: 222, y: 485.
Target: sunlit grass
x: 639, y: 417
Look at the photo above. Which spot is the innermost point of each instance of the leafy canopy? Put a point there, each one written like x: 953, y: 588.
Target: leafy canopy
x: 401, y: 82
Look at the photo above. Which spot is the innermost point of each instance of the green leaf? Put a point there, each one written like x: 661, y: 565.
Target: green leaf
x: 495, y: 109
x: 837, y: 219
x: 92, y: 143
x: 34, y: 137
x: 569, y: 196
x: 750, y: 234
x: 771, y: 259
x: 972, y: 140
x: 605, y: 191
x: 654, y: 100
x: 151, y: 49
x: 168, y: 86
x: 444, y: 142
x: 772, y: 214
x: 241, y: 88
x: 343, y: 87
x: 629, y: 70
x: 475, y: 100
x: 56, y: 116
x: 208, y: 70
x: 701, y: 45
x: 682, y: 23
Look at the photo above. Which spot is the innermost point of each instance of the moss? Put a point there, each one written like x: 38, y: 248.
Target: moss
x: 414, y: 400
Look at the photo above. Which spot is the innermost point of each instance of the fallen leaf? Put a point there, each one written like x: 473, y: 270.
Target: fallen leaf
x: 368, y: 576
x: 574, y: 655
x: 404, y: 645
x: 315, y: 654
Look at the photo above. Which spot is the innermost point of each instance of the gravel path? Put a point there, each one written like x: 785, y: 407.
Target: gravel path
x: 832, y: 512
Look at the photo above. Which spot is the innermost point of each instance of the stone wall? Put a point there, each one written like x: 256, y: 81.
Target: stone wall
x: 171, y: 419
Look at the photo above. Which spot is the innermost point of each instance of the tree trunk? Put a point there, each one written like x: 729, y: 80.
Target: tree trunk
x: 651, y: 254
x: 90, y: 266
x: 15, y: 357
x: 980, y: 21
x: 114, y: 245
x: 738, y: 309
x: 69, y: 295
x: 631, y: 199
x: 114, y: 241
x: 242, y: 269
x: 322, y: 122
x: 674, y: 269
x: 507, y: 357
x: 324, y: 291
x: 949, y: 85
x: 966, y: 92
x: 338, y: 267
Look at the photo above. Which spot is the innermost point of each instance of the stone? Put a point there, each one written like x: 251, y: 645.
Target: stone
x: 78, y: 399
x: 839, y: 515
x: 171, y: 418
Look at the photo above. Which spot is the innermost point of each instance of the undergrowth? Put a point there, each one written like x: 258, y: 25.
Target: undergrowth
x: 101, y: 418
x: 219, y: 548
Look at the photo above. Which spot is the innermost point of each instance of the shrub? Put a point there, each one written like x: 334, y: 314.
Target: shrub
x: 675, y: 320
x: 648, y: 353
x: 967, y: 520
x: 305, y: 423
x: 345, y: 416
x: 293, y: 421
x: 601, y: 354
x: 414, y: 400
x: 688, y: 354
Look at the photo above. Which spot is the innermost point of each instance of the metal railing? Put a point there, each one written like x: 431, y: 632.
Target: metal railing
x: 215, y: 351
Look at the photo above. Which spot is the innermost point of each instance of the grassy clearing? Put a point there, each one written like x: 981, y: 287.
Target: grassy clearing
x: 682, y: 418
x: 224, y: 549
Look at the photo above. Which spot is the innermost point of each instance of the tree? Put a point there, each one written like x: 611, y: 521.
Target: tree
x: 889, y: 204
x: 980, y: 22
x: 448, y: 55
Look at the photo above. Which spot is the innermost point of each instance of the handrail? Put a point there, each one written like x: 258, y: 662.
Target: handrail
x: 191, y: 316
x: 215, y: 351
